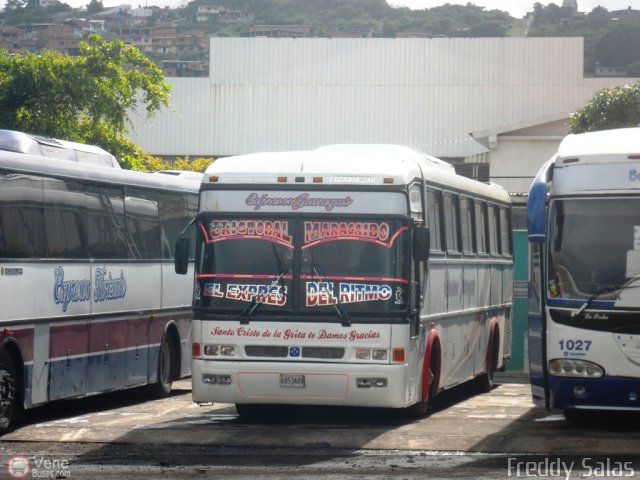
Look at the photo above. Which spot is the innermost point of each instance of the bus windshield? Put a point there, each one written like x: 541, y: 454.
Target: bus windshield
x: 307, y: 265
x: 580, y: 267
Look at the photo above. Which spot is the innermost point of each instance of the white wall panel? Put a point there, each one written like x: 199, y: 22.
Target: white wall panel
x: 283, y: 94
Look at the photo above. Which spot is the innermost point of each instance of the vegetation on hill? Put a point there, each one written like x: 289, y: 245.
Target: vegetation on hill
x: 611, y: 39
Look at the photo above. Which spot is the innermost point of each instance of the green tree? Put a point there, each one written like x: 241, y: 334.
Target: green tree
x: 94, y: 6
x: 85, y: 98
x: 615, y: 107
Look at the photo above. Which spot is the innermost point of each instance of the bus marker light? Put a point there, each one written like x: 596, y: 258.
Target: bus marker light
x: 363, y: 382
x: 282, y: 179
x: 7, y: 331
x: 214, y: 178
x: 317, y: 179
x: 195, y: 350
x: 398, y: 355
x: 387, y: 180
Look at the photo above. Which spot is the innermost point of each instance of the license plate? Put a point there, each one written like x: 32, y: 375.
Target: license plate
x: 291, y: 381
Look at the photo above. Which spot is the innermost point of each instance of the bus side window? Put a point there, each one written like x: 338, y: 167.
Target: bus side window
x: 143, y: 227
x: 481, y: 227
x: 434, y: 213
x: 506, y: 243
x: 107, y: 236
x: 65, y: 218
x: 22, y: 216
x: 451, y: 219
x: 466, y: 225
x: 494, y: 233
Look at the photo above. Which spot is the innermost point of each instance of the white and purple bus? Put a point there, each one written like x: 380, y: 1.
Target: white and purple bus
x: 361, y: 275
x: 90, y: 299
x: 584, y: 300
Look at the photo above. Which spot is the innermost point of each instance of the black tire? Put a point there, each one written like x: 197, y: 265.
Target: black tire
x: 8, y: 392
x: 166, y: 368
x: 485, y: 381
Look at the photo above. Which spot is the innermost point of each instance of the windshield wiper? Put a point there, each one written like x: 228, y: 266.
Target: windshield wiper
x: 254, y: 303
x: 597, y: 293
x: 342, y: 311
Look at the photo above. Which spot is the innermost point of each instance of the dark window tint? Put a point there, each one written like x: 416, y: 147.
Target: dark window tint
x: 494, y: 230
x: 143, y: 228
x: 21, y: 216
x: 481, y: 227
x: 505, y: 232
x: 176, y: 211
x: 65, y: 219
x: 451, y: 213
x: 106, y: 231
x: 466, y: 224
x: 434, y: 214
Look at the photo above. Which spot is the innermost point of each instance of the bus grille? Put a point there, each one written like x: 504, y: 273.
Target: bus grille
x: 325, y: 353
x: 266, y: 351
x: 274, y: 351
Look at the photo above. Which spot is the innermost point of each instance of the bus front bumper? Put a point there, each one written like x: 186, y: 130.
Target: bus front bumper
x: 607, y: 393
x: 366, y: 385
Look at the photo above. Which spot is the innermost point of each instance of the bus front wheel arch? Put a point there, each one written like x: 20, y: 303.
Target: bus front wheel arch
x: 430, y: 381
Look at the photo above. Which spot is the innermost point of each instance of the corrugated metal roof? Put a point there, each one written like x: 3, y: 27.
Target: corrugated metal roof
x: 275, y: 94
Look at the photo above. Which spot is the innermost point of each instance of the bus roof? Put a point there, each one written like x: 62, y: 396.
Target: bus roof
x: 38, y: 165
x: 346, y: 164
x: 604, y: 144
x: 13, y: 141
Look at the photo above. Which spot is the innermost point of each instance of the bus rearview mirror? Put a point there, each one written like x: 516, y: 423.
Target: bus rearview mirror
x: 181, y: 257
x: 421, y: 243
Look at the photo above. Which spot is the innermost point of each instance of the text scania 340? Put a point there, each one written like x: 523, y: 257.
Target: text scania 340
x: 584, y: 300
x: 363, y: 275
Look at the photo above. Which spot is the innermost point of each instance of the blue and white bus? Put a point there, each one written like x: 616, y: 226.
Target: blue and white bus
x: 356, y: 275
x: 584, y: 300
x: 89, y: 299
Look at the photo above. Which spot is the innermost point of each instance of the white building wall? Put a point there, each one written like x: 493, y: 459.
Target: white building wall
x: 266, y: 94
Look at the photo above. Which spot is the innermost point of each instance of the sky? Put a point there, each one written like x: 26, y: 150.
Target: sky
x: 516, y: 8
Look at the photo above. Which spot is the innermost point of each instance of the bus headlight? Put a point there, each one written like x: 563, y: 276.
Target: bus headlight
x: 562, y: 367
x: 217, y: 350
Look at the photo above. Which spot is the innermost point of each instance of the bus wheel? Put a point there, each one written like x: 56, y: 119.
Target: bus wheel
x: 485, y: 381
x: 162, y: 388
x: 7, y: 390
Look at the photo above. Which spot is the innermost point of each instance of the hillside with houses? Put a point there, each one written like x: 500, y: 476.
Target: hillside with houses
x: 177, y: 39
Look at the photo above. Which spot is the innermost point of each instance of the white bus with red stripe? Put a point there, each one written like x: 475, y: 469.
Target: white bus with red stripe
x: 90, y: 299
x: 362, y: 275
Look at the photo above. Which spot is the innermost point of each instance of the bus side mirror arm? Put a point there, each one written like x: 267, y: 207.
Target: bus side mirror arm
x: 421, y: 243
